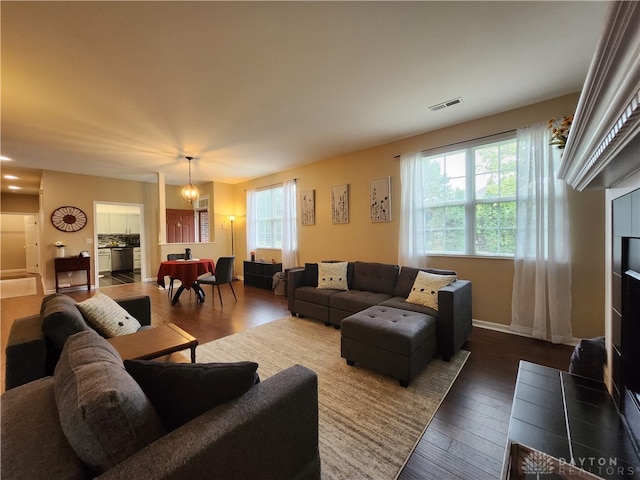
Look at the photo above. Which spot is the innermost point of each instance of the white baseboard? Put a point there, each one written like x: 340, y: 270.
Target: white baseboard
x: 500, y: 327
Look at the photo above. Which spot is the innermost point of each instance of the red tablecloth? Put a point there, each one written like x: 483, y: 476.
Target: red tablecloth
x: 187, y: 271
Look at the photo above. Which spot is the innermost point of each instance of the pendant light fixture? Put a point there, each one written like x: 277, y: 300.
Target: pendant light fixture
x: 190, y: 192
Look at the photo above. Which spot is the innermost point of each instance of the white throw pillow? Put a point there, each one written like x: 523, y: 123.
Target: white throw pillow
x: 333, y: 276
x: 425, y: 288
x: 107, y: 316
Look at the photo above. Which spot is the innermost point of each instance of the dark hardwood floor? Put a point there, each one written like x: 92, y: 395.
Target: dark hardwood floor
x: 465, y: 440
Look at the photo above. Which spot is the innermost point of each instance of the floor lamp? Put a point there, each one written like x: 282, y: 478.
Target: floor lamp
x: 233, y: 249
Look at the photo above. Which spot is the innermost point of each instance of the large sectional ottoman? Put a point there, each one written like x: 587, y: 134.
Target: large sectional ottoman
x: 395, y: 342
x: 373, y: 284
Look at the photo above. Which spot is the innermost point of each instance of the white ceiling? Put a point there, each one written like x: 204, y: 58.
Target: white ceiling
x: 126, y: 89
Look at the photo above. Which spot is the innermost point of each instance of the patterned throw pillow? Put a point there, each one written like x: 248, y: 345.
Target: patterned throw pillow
x: 333, y: 276
x: 107, y: 317
x: 425, y: 288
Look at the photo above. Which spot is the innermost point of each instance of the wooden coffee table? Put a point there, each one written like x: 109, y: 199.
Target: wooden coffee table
x: 154, y: 342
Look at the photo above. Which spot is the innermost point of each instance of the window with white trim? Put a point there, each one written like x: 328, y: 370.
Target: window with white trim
x: 470, y: 199
x: 269, y: 217
x: 203, y: 229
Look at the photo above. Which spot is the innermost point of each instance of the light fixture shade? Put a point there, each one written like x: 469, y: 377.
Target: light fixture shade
x: 190, y: 193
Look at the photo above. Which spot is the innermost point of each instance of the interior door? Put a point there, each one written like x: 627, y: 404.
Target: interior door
x: 31, y: 236
x: 180, y: 226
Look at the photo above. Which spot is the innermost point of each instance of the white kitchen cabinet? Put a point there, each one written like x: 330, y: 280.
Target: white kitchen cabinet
x: 137, y: 258
x: 104, y: 260
x: 133, y: 223
x: 118, y: 223
x: 102, y: 222
x: 124, y: 223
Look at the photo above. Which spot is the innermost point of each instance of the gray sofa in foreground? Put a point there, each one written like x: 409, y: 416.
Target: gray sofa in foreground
x: 35, y: 341
x: 371, y: 284
x: 93, y: 419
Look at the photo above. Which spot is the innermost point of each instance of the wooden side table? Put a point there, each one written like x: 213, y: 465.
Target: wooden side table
x: 73, y: 264
x: 154, y: 342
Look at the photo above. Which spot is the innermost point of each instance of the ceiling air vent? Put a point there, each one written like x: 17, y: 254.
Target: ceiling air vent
x: 448, y: 103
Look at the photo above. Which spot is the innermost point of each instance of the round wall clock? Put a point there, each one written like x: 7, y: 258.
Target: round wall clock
x: 68, y: 219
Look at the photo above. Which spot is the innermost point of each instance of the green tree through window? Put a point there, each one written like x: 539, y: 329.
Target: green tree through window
x: 469, y: 203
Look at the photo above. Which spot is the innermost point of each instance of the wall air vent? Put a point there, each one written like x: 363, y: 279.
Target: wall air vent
x: 202, y: 203
x: 448, y: 103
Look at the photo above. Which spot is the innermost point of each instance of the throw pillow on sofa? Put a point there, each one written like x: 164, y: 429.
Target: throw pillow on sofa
x: 107, y: 317
x: 333, y: 276
x: 182, y: 391
x: 425, y: 288
x: 104, y: 413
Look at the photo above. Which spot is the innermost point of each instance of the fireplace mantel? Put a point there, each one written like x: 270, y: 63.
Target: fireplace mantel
x: 603, y: 145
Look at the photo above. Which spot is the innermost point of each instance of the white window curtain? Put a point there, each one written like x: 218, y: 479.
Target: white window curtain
x: 289, y: 225
x: 541, y: 302
x: 251, y: 222
x: 412, y: 244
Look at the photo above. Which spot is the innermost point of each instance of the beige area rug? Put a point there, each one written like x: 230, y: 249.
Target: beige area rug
x: 369, y: 424
x: 18, y: 287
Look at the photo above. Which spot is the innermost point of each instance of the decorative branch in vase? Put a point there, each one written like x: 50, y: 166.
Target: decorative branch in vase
x: 560, y: 130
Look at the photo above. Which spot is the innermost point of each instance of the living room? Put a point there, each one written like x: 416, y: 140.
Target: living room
x: 359, y: 239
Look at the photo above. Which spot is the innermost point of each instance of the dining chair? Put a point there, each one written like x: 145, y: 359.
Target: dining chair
x: 173, y: 256
x: 224, y: 274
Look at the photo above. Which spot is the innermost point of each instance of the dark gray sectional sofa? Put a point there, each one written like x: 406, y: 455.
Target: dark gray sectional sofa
x: 383, y: 284
x: 269, y: 432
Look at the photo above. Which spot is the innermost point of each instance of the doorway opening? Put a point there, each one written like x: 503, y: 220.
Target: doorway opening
x: 119, y: 243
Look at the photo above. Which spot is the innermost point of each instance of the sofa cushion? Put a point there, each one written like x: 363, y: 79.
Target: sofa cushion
x: 374, y: 277
x: 310, y: 275
x: 182, y: 391
x: 408, y: 275
x: 426, y: 286
x: 33, y: 444
x: 356, y: 300
x: 315, y: 295
x: 60, y: 318
x: 402, y: 304
x: 107, y: 316
x: 332, y: 276
x: 104, y: 413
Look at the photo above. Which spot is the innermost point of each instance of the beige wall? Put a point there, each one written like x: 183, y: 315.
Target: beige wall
x: 492, y: 278
x: 12, y: 238
x: 359, y: 239
x: 18, y: 203
x: 82, y: 191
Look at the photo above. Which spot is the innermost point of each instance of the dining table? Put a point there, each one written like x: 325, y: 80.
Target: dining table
x: 187, y: 271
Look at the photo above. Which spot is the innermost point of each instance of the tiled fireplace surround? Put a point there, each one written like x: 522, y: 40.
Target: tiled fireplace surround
x: 625, y: 321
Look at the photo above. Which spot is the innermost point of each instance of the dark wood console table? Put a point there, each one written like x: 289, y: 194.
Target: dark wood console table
x: 566, y: 426
x: 73, y: 264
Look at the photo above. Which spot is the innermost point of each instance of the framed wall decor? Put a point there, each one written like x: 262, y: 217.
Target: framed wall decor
x: 308, y: 207
x: 380, y: 199
x: 340, y: 203
x: 68, y: 219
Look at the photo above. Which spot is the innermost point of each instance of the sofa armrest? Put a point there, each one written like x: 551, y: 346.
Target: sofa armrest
x: 294, y: 280
x: 270, y: 433
x: 139, y: 307
x: 454, y: 317
x: 26, y: 352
